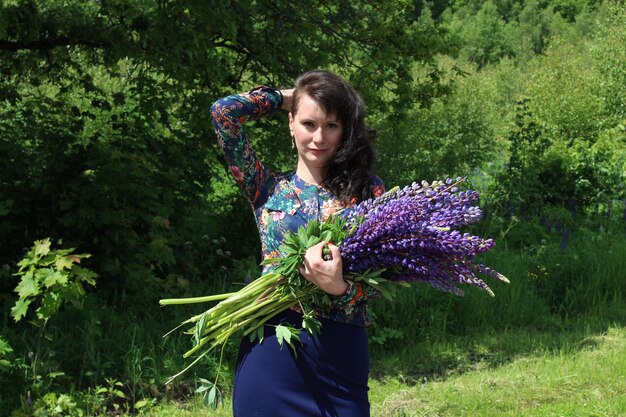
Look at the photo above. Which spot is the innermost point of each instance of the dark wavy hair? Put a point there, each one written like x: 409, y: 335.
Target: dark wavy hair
x: 349, y: 170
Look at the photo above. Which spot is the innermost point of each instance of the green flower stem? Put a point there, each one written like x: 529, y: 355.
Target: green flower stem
x: 176, y: 301
x: 228, y: 319
x: 245, y: 304
x: 267, y: 313
x: 225, y: 328
x: 270, y: 309
x: 225, y: 320
x: 227, y: 297
x: 220, y: 337
x: 287, y: 303
x: 246, y: 311
x: 258, y: 286
x: 233, y: 323
x: 250, y: 308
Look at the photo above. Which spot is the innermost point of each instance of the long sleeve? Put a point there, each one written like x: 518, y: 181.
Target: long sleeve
x: 228, y: 115
x: 357, y: 293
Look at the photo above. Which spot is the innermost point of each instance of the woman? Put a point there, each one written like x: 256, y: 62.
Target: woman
x: 327, y: 376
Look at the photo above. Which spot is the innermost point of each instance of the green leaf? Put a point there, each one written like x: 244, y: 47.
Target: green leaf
x: 198, y: 330
x: 387, y: 295
x: 289, y: 250
x: 42, y: 247
x: 303, y: 238
x: 28, y: 260
x: 50, y: 304
x: 312, y: 325
x: 20, y: 309
x: 327, y: 236
x: 257, y: 334
x: 212, y: 396
x: 5, y: 347
x: 313, y: 228
x: 141, y: 403
x: 27, y: 287
x: 283, y: 334
x: 201, y: 389
x: 289, y: 335
x: 63, y: 263
x: 312, y: 241
x: 269, y: 261
x: 84, y: 274
x: 52, y: 277
x: 50, y: 258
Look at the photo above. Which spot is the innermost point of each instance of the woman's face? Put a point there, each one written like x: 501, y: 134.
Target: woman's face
x: 317, y: 134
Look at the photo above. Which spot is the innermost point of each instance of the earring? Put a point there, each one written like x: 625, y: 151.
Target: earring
x: 293, y: 142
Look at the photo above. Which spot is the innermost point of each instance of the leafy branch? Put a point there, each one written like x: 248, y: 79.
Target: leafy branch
x: 50, y: 278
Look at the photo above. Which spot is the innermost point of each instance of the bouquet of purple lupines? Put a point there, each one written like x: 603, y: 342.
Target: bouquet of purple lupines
x: 413, y: 234
x: 409, y: 234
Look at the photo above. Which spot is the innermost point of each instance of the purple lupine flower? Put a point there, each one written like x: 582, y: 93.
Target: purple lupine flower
x: 412, y: 234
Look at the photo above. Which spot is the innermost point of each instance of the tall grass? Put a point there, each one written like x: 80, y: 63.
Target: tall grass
x: 557, y: 291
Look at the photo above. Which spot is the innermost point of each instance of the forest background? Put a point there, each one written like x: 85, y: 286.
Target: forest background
x: 113, y: 193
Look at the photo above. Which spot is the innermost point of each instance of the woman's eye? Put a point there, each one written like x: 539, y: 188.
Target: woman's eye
x: 333, y: 125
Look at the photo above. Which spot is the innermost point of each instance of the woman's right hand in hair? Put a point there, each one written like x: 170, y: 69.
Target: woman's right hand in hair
x: 287, y: 99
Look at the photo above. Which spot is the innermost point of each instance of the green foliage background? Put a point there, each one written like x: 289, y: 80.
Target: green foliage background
x: 106, y: 146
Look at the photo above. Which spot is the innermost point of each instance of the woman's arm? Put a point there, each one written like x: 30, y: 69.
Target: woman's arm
x: 287, y: 99
x: 356, y: 292
x: 228, y: 115
x: 327, y: 274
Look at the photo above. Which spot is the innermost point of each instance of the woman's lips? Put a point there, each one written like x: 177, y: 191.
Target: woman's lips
x: 317, y: 151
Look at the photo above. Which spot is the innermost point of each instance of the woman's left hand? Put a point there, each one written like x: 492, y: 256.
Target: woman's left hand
x: 287, y: 99
x: 326, y: 274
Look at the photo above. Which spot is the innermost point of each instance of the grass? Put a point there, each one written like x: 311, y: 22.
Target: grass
x: 192, y: 408
x: 577, y: 376
x: 584, y: 380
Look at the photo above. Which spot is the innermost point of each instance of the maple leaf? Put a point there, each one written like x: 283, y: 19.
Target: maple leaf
x: 42, y: 247
x: 28, y: 286
x: 64, y: 263
x: 74, y: 258
x: 54, y: 277
x: 19, y: 310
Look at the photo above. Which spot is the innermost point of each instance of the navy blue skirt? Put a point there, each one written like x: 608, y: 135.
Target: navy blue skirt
x: 327, y: 376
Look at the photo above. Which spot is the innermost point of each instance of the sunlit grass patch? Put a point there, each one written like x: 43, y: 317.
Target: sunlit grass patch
x: 191, y: 408
x: 590, y: 381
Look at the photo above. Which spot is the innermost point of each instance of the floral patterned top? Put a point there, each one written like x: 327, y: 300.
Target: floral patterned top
x: 281, y: 201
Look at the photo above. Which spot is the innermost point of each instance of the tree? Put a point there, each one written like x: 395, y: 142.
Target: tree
x: 104, y: 129
x: 483, y: 35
